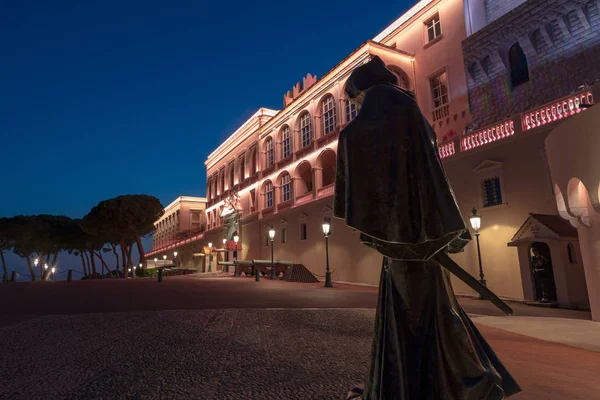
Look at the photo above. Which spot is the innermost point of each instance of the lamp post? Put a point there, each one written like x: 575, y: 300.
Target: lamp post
x: 272, y: 236
x: 164, y: 260
x: 225, y: 267
x: 236, y: 239
x: 175, y: 258
x: 326, y: 230
x: 134, y: 268
x: 155, y: 262
x: 45, y: 270
x: 210, y: 257
x: 476, y: 224
x: 35, y: 262
x: 53, y: 271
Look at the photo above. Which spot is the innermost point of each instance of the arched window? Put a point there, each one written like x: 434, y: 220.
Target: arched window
x: 571, y: 253
x: 329, y: 115
x: 519, y: 71
x: 286, y: 142
x: 269, y: 153
x: 210, y: 221
x: 351, y: 110
x: 253, y: 161
x: 286, y: 187
x: 268, y: 194
x: 305, y: 130
x: 231, y: 175
x: 208, y: 189
x: 242, y: 166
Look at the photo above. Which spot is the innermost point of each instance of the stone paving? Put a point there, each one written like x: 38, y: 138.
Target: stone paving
x: 240, y: 354
x: 195, y: 354
x: 232, y: 339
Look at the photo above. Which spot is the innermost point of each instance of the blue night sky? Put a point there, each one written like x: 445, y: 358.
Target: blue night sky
x: 102, y: 98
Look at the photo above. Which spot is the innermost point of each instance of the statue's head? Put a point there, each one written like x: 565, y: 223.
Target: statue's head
x: 365, y: 77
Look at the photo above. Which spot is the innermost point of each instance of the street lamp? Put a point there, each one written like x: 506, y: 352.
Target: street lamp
x: 53, y: 271
x: 476, y: 224
x: 35, y: 262
x: 272, y: 236
x: 236, y: 239
x: 225, y: 267
x: 164, y: 260
x: 134, y: 267
x: 210, y: 257
x: 175, y: 258
x: 326, y: 230
x: 155, y: 262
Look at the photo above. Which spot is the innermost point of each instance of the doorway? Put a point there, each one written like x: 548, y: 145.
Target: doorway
x: 541, y: 260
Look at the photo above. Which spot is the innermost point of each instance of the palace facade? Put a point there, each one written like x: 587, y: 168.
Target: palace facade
x: 492, y: 77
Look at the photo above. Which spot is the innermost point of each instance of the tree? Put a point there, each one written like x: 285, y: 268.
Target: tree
x: 124, y: 220
x: 5, y: 245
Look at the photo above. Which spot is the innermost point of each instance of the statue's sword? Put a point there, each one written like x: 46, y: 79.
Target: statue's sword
x: 487, y: 294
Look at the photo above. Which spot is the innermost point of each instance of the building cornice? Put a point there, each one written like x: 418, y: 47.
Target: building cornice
x: 403, y: 19
x: 240, y: 134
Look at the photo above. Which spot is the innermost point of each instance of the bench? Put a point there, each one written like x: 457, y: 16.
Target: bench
x: 264, y: 266
x: 246, y: 267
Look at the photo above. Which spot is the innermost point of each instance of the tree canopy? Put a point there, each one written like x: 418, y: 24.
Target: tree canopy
x: 121, y: 221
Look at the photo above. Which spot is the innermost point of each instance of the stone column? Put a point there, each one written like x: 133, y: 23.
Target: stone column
x: 317, y: 178
x: 589, y: 241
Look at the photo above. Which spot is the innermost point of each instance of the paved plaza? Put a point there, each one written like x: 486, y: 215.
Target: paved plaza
x: 224, y: 338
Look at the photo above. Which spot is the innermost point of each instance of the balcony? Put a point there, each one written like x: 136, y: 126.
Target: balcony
x: 326, y: 191
x: 446, y: 149
x: 285, y: 204
x: 268, y: 210
x: 328, y: 138
x: 305, y: 150
x: 487, y: 135
x: 440, y: 112
x: 538, y: 117
x: 303, y: 199
x: 556, y: 111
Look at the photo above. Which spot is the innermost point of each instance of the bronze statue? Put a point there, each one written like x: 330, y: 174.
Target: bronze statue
x: 391, y: 186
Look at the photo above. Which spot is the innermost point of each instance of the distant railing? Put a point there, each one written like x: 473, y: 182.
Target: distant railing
x: 446, y: 149
x: 326, y: 191
x: 556, y: 110
x: 490, y: 134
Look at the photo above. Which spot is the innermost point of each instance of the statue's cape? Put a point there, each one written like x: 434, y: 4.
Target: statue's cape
x: 390, y: 183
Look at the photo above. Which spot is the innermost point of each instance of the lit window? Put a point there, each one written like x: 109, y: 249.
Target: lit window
x: 519, y: 71
x: 270, y: 153
x: 305, y: 130
x: 286, y: 187
x: 351, y: 110
x: 286, y: 141
x: 303, y: 233
x: 283, y: 235
x: 329, y: 117
x: 195, y: 221
x: 434, y: 29
x: 439, y: 89
x: 268, y: 194
x: 253, y: 161
x: 492, y: 192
